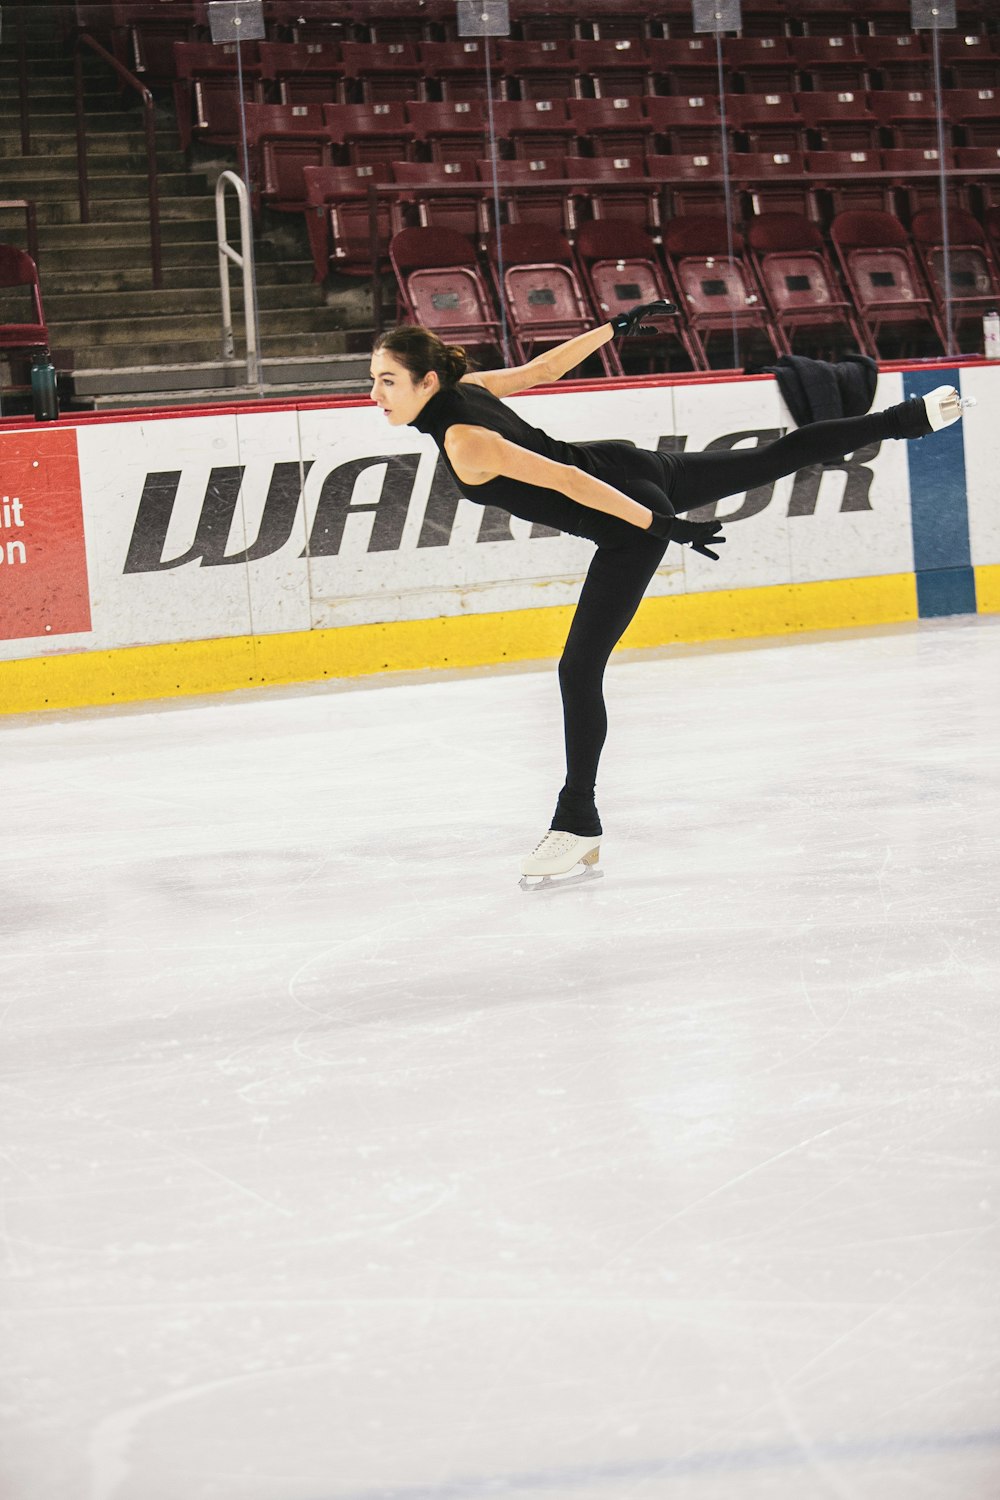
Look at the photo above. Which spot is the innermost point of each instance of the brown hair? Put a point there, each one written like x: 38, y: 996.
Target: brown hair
x: 420, y: 351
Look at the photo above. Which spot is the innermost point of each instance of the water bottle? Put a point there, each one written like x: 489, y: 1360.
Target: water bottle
x: 991, y: 335
x: 44, y: 397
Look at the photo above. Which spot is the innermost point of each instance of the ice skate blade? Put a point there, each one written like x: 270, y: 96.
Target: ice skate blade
x: 532, y: 883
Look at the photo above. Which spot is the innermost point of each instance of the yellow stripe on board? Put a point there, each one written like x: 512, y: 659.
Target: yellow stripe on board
x: 185, y: 668
x: 988, y: 589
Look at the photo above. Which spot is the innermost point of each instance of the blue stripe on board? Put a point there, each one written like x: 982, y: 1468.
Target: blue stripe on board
x: 939, y: 510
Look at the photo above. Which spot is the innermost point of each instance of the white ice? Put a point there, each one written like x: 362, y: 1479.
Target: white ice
x: 336, y: 1168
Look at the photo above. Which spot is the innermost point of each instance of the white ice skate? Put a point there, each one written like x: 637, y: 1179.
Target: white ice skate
x: 944, y: 405
x: 553, y: 864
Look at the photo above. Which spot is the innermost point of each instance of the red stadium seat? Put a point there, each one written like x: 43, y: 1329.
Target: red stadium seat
x: 284, y: 139
x: 303, y: 72
x: 615, y: 127
x: 982, y: 163
x: 685, y: 65
x: 912, y: 191
x: 527, y: 200
x: 768, y: 122
x: 464, y: 212
x: 970, y: 61
x: 688, y: 123
x: 458, y: 68
x: 838, y: 121
x: 910, y: 115
x: 829, y: 64
x: 773, y: 181
x: 616, y: 187
x: 339, y: 220
x: 616, y: 68
x: 452, y: 129
x: 151, y: 29
x: 759, y: 65
x: 206, y: 90
x: 691, y: 182
x: 384, y: 72
x: 536, y: 127
x: 897, y: 62
x: 307, y: 21
x: 841, y: 180
x: 370, y: 132
x: 976, y: 112
x: 542, y: 69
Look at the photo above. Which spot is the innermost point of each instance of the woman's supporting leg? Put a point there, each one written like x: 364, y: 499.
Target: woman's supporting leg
x: 700, y: 478
x: 612, y: 592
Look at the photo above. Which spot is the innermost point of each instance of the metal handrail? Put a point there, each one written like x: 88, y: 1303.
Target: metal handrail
x: 31, y: 220
x: 244, y: 259
x: 85, y: 40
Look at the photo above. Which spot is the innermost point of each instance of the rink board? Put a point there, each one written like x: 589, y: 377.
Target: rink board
x: 161, y: 554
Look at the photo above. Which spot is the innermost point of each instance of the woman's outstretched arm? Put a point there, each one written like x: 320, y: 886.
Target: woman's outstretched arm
x: 545, y: 368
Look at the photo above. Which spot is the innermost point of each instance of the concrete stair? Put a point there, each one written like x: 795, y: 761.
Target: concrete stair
x: 115, y: 339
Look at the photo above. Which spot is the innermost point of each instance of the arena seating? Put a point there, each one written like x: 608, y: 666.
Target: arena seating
x: 372, y: 123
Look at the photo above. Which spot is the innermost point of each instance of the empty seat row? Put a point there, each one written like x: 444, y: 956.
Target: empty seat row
x: 208, y: 108
x: 777, y: 281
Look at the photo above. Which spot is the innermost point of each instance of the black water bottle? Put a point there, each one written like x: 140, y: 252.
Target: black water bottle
x: 44, y: 396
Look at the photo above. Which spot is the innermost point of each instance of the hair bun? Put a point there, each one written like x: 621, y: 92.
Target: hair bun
x: 456, y: 363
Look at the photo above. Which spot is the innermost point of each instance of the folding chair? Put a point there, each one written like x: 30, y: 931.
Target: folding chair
x: 303, y: 72
x: 206, y: 86
x: 884, y: 280
x: 829, y: 64
x: 615, y: 127
x: 525, y: 197
x: 838, y: 121
x: 688, y: 123
x: 20, y: 295
x: 338, y: 218
x: 462, y: 211
x: 616, y: 187
x: 545, y: 300
x: 975, y: 284
x: 718, y: 292
x: 620, y: 270
x: 791, y: 262
x: 617, y: 68
x: 283, y: 140
x: 384, y: 72
x: 441, y: 286
x: 369, y: 133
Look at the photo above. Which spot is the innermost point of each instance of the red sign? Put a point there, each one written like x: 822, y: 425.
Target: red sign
x: 43, y: 555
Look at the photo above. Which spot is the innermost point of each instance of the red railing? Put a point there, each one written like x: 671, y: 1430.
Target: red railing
x: 85, y: 40
x: 31, y: 220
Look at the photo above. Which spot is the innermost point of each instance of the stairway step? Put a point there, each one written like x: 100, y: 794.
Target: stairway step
x: 125, y: 145
x: 110, y: 357
x: 205, y: 380
x: 127, y: 269
x: 65, y: 307
x: 168, y: 328
x: 70, y: 232
x: 189, y: 211
x: 52, y: 178
x: 106, y: 157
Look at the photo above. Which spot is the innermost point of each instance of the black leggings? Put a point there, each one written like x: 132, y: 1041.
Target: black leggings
x: 619, y: 576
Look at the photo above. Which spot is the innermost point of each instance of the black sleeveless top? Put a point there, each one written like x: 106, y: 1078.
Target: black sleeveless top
x: 637, y: 472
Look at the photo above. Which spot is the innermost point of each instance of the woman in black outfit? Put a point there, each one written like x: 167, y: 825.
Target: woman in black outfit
x: 627, y: 500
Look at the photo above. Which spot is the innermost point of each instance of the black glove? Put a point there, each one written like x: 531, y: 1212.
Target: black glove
x: 696, y: 533
x: 632, y: 322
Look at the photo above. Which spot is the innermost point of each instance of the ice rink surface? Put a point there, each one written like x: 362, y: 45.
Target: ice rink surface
x: 336, y: 1168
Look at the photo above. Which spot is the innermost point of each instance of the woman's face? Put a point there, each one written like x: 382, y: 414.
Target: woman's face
x: 396, y: 392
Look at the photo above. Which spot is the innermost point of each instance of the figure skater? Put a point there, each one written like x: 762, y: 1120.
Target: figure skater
x: 627, y: 500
